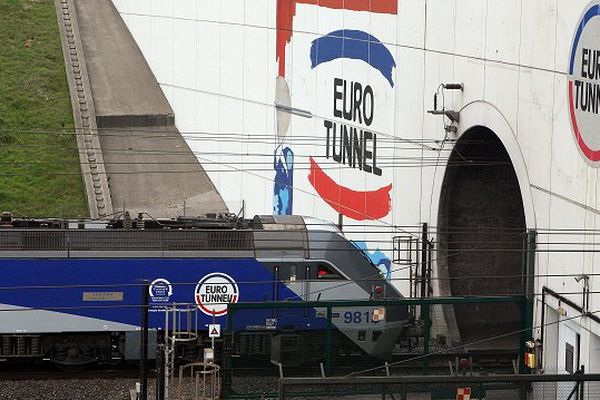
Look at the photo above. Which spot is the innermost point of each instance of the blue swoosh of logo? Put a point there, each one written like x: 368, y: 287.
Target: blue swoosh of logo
x: 378, y: 258
x: 356, y: 45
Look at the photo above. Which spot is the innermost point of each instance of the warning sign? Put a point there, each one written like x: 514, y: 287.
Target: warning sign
x: 214, y: 330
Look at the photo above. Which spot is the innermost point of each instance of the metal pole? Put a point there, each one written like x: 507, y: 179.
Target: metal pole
x: 212, y: 338
x: 160, y: 373
x: 227, y: 349
x: 527, y: 310
x: 424, y: 261
x: 581, y: 383
x: 426, y: 334
x: 328, y: 342
x: 144, y: 341
x: 281, y: 390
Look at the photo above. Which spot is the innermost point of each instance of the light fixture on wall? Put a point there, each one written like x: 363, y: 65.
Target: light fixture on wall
x: 453, y: 116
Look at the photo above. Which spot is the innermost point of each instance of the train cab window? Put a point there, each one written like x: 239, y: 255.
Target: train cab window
x: 290, y: 273
x: 327, y: 272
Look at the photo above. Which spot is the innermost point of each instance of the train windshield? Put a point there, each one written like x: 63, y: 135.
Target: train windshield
x: 313, y: 224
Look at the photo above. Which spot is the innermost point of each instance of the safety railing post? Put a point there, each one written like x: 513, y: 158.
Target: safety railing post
x: 281, y: 390
x: 328, y: 342
x: 426, y: 335
x: 227, y: 349
x: 160, y: 372
x: 145, y: 297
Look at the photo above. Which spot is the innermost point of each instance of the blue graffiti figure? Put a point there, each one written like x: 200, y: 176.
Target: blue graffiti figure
x: 283, y: 190
x: 378, y: 258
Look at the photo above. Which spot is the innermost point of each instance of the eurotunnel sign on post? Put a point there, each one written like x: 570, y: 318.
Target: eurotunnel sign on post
x: 214, y: 292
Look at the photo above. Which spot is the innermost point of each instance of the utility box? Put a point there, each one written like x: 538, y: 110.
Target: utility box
x: 132, y: 344
x: 286, y: 349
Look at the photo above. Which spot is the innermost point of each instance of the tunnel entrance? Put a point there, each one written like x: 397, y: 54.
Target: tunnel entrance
x: 481, y: 228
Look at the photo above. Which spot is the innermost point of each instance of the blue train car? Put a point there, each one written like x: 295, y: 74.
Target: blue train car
x: 71, y: 292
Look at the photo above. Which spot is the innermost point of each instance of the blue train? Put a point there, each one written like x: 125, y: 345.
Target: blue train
x: 70, y: 291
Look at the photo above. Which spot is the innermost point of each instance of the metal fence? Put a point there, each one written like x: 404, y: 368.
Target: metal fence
x: 577, y: 386
x: 258, y: 354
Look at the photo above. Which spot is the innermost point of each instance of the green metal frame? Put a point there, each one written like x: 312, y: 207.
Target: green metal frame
x: 526, y: 307
x: 525, y: 304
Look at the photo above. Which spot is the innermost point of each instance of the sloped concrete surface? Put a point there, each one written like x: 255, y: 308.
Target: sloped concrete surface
x: 122, y: 82
x: 149, y: 165
x: 152, y: 170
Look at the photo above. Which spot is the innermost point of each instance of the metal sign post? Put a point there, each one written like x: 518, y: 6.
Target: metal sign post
x: 211, y: 328
x: 144, y: 341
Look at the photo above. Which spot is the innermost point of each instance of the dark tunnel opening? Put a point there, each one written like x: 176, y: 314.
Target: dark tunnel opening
x: 481, y: 231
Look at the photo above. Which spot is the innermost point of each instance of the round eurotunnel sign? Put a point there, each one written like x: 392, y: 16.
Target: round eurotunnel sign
x: 584, y: 84
x: 214, y: 292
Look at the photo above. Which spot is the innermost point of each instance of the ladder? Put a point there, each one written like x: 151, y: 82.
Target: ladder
x: 181, y: 326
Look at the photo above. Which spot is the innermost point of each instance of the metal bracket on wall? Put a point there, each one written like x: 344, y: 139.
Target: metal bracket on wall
x: 453, y: 116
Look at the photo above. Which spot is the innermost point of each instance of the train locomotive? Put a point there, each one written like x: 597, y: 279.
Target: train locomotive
x: 70, y: 291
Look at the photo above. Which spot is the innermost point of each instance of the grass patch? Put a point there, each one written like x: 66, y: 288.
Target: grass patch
x: 39, y: 162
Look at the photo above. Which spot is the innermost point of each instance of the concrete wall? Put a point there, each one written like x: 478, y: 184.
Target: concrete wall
x: 217, y: 65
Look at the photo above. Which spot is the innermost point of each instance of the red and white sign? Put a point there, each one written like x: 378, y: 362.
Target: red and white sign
x: 378, y: 314
x: 214, y: 292
x: 584, y: 83
x: 214, y: 330
x: 463, y: 393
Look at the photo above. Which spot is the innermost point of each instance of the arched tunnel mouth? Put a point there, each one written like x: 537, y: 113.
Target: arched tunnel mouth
x: 481, y: 230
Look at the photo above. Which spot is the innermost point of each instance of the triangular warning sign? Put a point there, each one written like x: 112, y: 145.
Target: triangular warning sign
x: 214, y: 330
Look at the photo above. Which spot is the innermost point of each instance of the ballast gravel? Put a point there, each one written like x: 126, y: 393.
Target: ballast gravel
x: 67, y: 389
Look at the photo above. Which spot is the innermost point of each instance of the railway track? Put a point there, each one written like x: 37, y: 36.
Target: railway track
x: 398, y: 364
x: 255, y: 366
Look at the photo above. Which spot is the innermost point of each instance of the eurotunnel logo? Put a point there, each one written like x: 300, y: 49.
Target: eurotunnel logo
x: 214, y: 292
x: 160, y: 290
x: 584, y: 83
x: 350, y: 139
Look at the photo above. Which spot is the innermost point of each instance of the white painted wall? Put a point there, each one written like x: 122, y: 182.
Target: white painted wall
x: 216, y: 62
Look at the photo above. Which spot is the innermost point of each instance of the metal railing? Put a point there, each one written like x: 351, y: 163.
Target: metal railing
x: 333, y: 362
x: 102, y: 240
x: 577, y: 386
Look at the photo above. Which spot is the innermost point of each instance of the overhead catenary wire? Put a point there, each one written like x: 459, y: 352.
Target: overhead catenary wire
x: 288, y: 281
x: 508, y: 296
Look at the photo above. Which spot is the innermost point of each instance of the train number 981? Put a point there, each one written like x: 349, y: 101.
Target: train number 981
x: 358, y: 317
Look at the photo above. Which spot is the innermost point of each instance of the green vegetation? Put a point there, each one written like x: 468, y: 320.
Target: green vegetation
x: 39, y: 162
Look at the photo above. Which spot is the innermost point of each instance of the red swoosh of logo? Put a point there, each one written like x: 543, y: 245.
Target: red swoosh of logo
x: 357, y: 205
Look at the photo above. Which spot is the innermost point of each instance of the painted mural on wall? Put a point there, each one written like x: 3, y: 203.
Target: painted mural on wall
x: 353, y: 103
x: 584, y: 83
x: 378, y: 258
